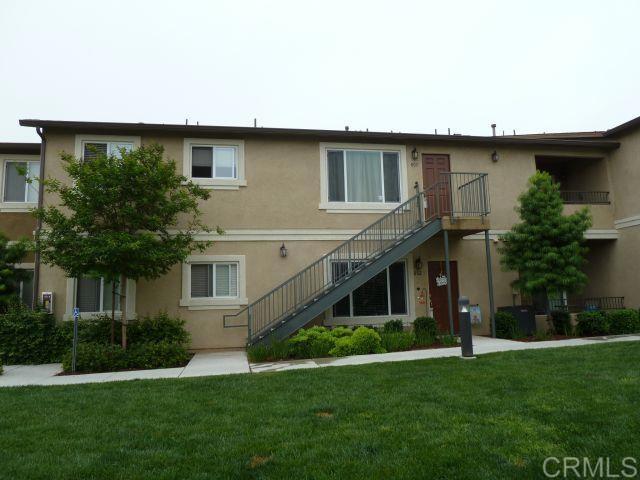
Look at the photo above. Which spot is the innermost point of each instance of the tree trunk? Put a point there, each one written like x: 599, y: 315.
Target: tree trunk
x: 123, y: 308
x: 113, y: 312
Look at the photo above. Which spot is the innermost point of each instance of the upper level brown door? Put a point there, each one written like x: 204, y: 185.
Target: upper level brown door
x: 432, y: 167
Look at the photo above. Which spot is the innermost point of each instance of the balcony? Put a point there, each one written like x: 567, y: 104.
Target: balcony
x: 578, y: 197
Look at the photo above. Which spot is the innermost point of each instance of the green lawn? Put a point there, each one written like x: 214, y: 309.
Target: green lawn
x: 495, y: 417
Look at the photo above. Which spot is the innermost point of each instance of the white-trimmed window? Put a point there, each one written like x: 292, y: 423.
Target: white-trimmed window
x: 214, y: 163
x: 93, y: 297
x: 21, y: 181
x: 382, y: 296
x: 214, y: 281
x: 91, y: 149
x: 362, y: 177
x: 88, y: 146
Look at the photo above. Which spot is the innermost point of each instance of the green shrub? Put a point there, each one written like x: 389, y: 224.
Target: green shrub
x: 96, y: 357
x: 506, y: 325
x: 153, y: 328
x: 541, y: 335
x: 339, y: 332
x: 344, y: 347
x: 100, y: 357
x: 312, y: 343
x: 449, y: 340
x: 364, y: 340
x: 392, y: 326
x: 29, y: 337
x: 424, y: 339
x: 397, y: 341
x: 158, y: 328
x: 561, y: 321
x: 623, y: 321
x: 425, y: 327
x: 271, y: 352
x: 592, y: 323
x: 157, y: 355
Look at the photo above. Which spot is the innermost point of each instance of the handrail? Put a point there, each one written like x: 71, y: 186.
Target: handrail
x: 354, y: 254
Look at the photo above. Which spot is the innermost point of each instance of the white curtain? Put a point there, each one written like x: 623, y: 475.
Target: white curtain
x: 364, y: 176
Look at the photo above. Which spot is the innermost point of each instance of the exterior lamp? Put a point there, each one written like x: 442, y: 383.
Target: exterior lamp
x: 494, y: 156
x: 414, y: 154
x: 466, y: 339
x: 418, y: 266
x: 283, y: 250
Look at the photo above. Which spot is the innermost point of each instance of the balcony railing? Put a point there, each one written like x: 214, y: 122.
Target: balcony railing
x: 588, y: 303
x: 585, y: 197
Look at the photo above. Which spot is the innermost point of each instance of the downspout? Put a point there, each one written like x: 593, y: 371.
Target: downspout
x: 36, y: 269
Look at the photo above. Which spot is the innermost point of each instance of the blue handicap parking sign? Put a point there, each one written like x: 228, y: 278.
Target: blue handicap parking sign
x: 76, y: 312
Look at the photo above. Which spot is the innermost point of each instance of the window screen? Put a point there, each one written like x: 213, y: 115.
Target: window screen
x: 201, y: 281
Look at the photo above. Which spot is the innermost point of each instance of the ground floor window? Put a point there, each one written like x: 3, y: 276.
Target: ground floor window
x: 214, y: 280
x: 383, y: 295
x: 94, y: 295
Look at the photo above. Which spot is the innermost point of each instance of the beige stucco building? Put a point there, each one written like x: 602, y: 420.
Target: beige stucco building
x: 287, y: 197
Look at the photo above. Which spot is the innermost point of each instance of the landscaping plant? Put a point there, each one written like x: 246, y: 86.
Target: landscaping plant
x: 561, y: 321
x: 392, y: 326
x: 592, y: 323
x: 623, y: 321
x: 29, y: 336
x: 118, y: 219
x: 547, y: 249
x: 363, y: 341
x: 506, y: 325
x: 397, y: 341
x: 426, y: 330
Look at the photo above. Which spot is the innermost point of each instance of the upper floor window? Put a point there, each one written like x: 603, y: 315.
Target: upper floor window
x: 91, y: 149
x: 214, y: 163
x: 21, y: 181
x: 365, y: 177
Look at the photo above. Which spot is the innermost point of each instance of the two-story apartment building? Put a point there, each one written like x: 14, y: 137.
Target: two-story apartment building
x: 288, y: 197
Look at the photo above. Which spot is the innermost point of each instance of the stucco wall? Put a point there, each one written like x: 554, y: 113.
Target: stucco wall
x: 283, y: 193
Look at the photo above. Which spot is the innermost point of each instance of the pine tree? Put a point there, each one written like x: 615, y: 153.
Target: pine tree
x: 547, y: 249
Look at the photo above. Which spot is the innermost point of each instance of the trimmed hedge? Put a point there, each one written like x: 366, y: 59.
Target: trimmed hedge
x: 506, y: 325
x: 623, y: 321
x: 29, y: 337
x: 592, y: 323
x: 363, y: 341
x: 100, y: 357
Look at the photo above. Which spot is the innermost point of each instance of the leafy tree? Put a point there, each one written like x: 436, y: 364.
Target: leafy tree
x: 10, y: 277
x: 125, y: 216
x: 546, y: 248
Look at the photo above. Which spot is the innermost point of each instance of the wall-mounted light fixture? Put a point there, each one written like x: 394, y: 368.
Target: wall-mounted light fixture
x: 417, y: 265
x: 283, y: 250
x: 414, y: 154
x: 494, y: 156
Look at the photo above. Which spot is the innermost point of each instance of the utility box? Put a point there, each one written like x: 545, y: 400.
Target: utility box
x: 525, y: 315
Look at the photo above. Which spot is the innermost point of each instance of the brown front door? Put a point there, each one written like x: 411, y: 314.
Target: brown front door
x: 433, y: 165
x: 438, y: 294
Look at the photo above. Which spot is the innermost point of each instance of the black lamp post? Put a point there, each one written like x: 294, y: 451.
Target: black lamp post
x: 466, y: 339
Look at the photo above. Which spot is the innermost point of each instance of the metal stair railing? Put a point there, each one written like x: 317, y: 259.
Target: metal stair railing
x: 330, y: 270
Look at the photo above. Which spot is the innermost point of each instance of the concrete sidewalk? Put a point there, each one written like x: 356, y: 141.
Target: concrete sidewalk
x: 481, y: 345
x: 210, y: 363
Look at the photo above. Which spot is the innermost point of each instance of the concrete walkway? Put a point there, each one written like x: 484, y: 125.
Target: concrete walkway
x: 210, y: 363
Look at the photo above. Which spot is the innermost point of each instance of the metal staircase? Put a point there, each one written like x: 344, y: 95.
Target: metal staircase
x: 301, y: 298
